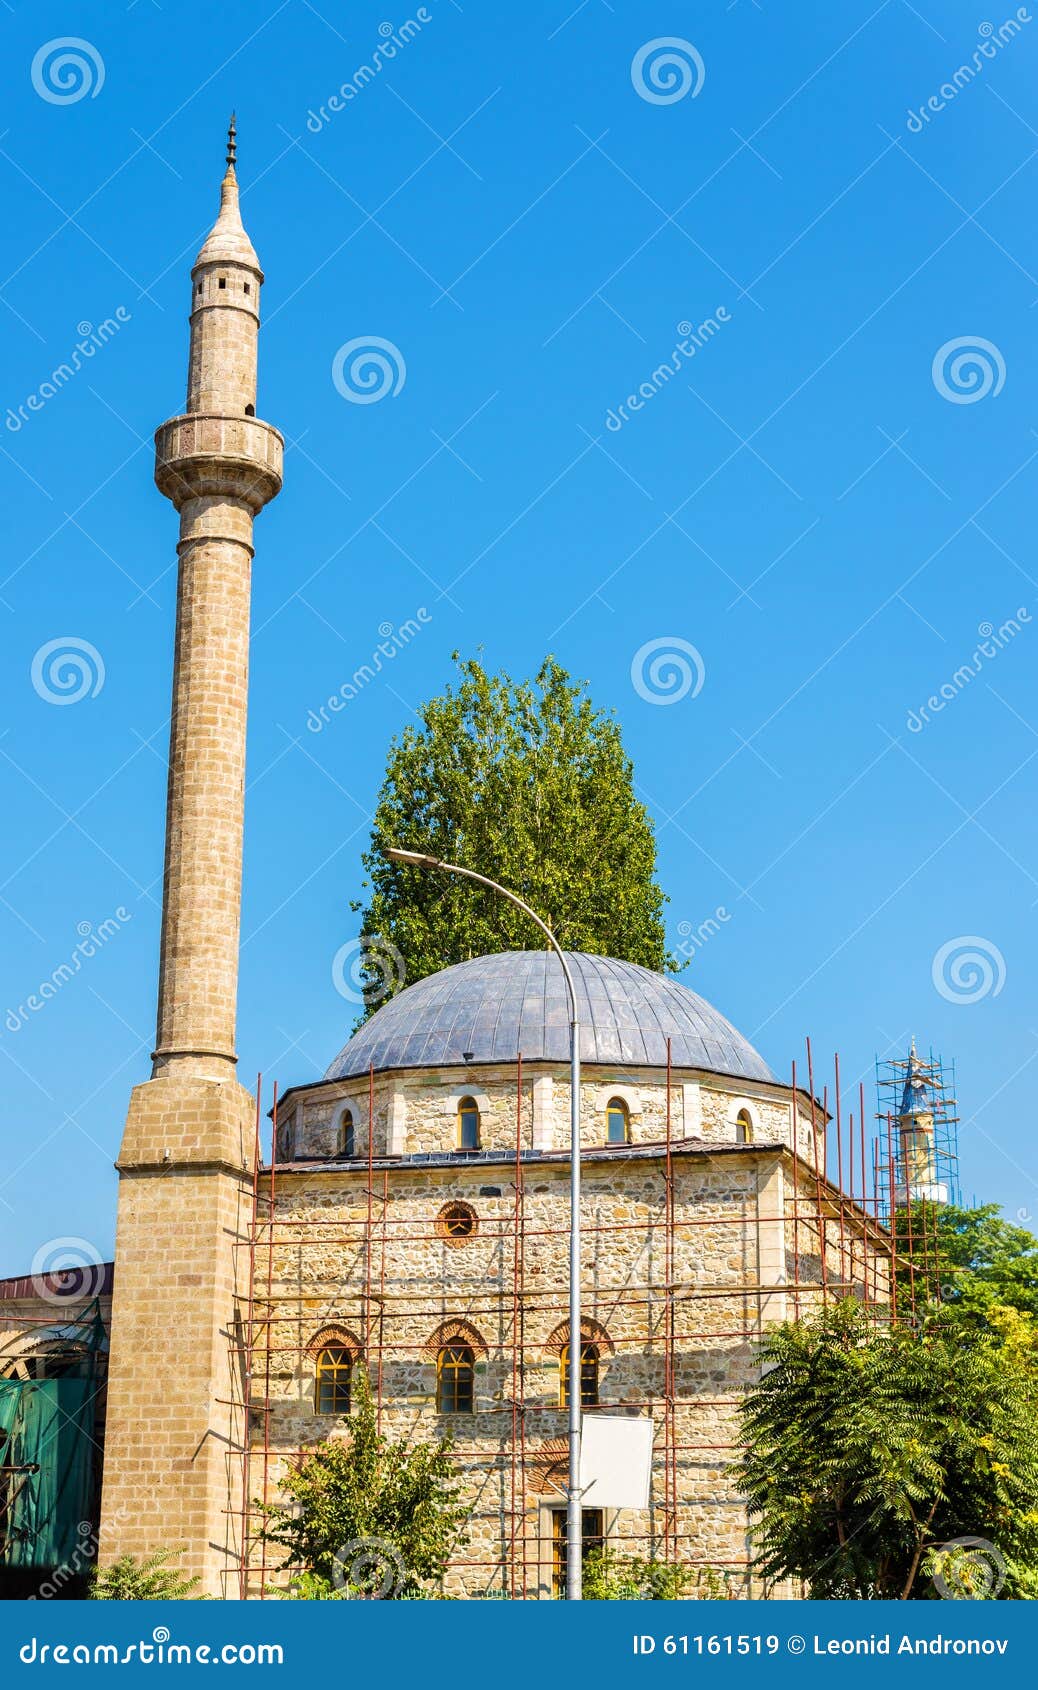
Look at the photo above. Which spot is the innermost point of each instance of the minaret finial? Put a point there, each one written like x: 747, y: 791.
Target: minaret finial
x: 227, y: 241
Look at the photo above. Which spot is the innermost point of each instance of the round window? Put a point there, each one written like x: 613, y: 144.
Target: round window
x: 457, y: 1223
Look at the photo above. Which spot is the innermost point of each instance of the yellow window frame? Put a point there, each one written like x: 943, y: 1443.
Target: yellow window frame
x: 333, y: 1380
x: 456, y: 1379
x: 468, y: 1123
x: 589, y: 1360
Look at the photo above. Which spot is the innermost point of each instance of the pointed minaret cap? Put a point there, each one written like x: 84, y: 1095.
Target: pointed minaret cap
x: 915, y: 1098
x: 227, y: 240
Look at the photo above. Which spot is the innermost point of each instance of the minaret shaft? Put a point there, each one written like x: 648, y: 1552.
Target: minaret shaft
x: 177, y: 1418
x: 198, y: 973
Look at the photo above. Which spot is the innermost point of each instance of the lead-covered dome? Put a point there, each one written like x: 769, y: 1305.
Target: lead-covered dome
x: 492, y: 1007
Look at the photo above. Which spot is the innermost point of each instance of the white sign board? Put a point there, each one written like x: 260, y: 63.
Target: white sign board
x: 615, y: 1461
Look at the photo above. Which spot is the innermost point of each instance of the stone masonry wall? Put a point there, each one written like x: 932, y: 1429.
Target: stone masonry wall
x: 397, y: 1290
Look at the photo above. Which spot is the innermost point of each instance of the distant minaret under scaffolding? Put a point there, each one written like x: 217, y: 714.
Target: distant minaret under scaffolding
x: 918, y: 1139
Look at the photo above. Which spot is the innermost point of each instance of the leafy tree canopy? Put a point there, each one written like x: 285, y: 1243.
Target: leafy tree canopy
x: 871, y: 1451
x: 612, y: 1577
x: 371, y: 1516
x: 969, y: 1260
x: 526, y: 782
x: 147, y: 1579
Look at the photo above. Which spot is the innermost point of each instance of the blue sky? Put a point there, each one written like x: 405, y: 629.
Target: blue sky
x: 822, y: 501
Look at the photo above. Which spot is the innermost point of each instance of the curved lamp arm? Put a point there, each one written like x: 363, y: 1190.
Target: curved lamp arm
x: 421, y: 859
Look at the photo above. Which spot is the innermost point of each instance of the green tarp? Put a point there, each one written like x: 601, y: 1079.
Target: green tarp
x: 48, y: 1424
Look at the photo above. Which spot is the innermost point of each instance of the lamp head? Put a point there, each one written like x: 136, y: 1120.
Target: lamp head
x: 417, y: 859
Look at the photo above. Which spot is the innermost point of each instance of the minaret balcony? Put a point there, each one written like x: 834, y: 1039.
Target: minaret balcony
x: 200, y: 456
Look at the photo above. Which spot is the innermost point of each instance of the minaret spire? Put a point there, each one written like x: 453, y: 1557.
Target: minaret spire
x: 186, y: 1162
x: 227, y: 241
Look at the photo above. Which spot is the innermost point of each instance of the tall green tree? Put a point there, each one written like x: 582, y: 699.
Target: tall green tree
x: 528, y: 783
x: 968, y: 1260
x: 870, y: 1451
x: 371, y: 1516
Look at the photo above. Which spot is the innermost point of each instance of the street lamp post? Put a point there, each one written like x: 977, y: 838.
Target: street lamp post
x: 574, y: 1527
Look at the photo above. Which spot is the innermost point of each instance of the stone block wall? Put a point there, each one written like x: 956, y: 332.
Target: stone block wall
x: 372, y: 1268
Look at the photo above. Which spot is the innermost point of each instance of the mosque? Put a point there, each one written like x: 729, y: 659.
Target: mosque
x: 413, y: 1218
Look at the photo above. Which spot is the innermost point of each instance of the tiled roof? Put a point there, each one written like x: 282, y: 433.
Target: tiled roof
x: 65, y: 1285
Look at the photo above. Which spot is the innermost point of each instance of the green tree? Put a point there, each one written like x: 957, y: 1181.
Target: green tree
x: 150, y: 1579
x: 528, y: 783
x: 870, y: 1451
x: 968, y: 1260
x: 371, y: 1516
x: 612, y: 1577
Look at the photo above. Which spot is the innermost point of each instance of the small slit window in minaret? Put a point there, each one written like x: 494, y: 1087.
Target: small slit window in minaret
x: 250, y: 410
x: 223, y: 281
x: 247, y: 288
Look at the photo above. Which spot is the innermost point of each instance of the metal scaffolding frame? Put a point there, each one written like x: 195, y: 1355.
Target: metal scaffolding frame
x: 938, y: 1078
x: 836, y: 1243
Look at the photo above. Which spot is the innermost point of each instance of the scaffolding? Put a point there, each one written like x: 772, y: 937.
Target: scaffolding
x: 810, y: 1235
x: 918, y: 1129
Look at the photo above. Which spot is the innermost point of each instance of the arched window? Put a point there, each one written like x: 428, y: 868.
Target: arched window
x: 332, y: 1381
x: 744, y: 1127
x: 346, y: 1139
x: 286, y: 1142
x: 468, y: 1124
x: 618, y: 1121
x: 455, y: 1379
x: 588, y: 1376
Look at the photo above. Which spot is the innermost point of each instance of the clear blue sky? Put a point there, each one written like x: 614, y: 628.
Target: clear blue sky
x: 802, y: 502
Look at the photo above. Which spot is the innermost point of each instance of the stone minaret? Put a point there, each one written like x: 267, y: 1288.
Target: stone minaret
x: 173, y: 1468
x: 917, y: 1154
